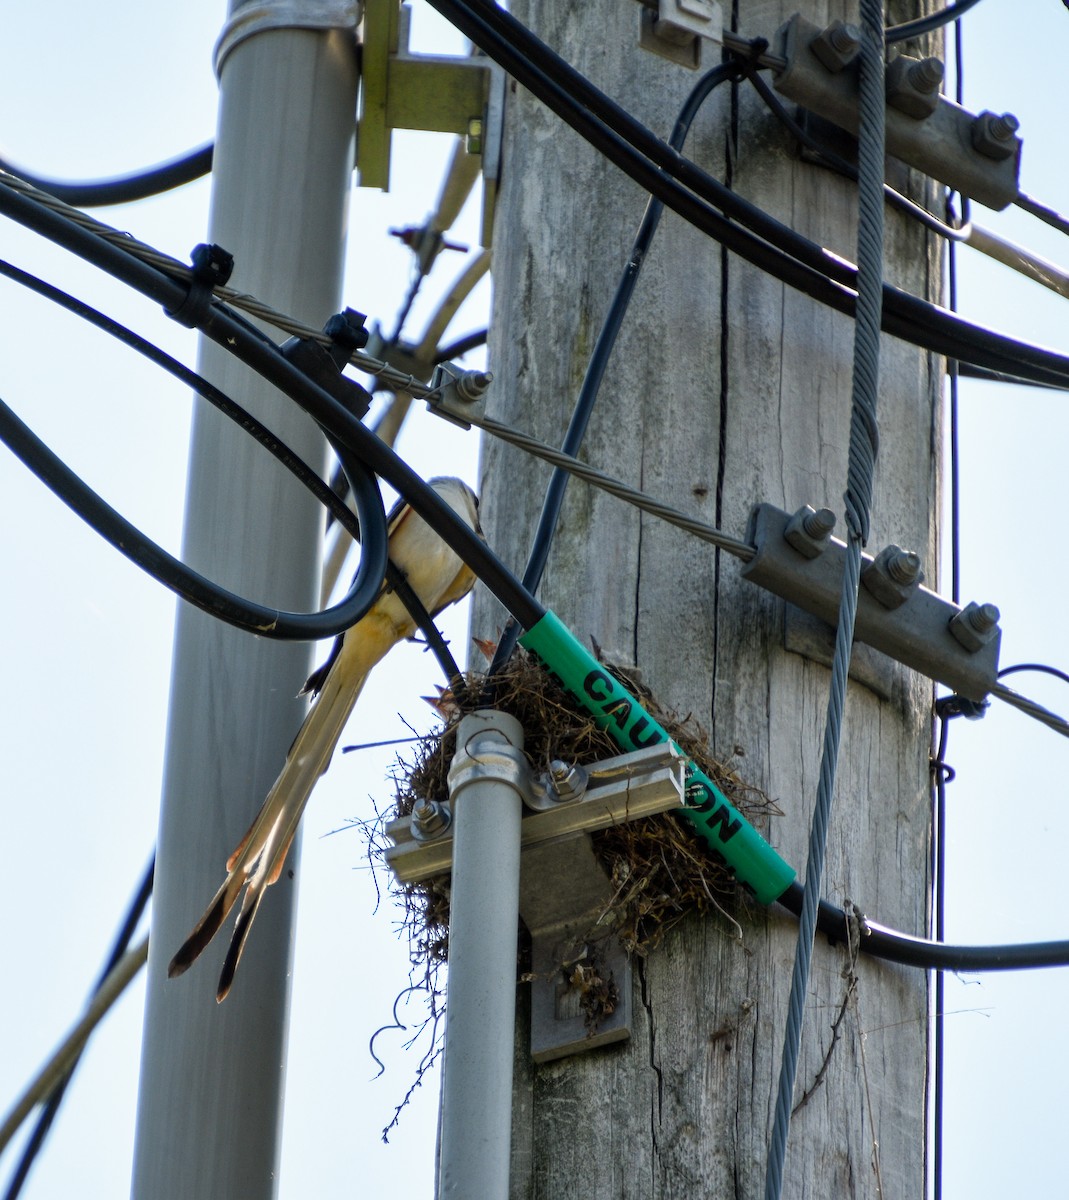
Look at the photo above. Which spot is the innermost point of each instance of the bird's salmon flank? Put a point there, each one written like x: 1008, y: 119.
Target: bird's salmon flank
x: 439, y: 578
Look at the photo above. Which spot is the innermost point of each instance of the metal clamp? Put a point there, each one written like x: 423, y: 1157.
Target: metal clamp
x: 458, y: 394
x: 924, y: 631
x: 564, y: 892
x: 677, y: 29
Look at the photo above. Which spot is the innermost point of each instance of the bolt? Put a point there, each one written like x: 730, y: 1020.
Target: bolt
x: 843, y: 36
x: 429, y: 820
x: 837, y: 46
x: 567, y: 780
x: 994, y: 136
x: 983, y: 617
x: 912, y: 85
x: 903, y: 566
x: 808, y: 529
x: 820, y: 523
x: 975, y: 626
x: 926, y: 75
x: 473, y: 143
x: 472, y: 385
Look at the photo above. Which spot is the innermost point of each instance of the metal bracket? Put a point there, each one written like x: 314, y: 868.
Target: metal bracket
x: 919, y: 632
x: 675, y: 29
x: 432, y: 92
x: 564, y: 894
x: 458, y: 394
x: 952, y: 145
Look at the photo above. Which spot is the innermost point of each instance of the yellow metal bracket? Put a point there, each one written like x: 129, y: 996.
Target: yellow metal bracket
x: 436, y: 93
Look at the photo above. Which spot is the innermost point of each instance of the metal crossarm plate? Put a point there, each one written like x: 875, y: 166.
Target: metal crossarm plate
x: 623, y: 788
x: 436, y: 93
x: 580, y: 974
x: 941, y: 145
x: 917, y: 633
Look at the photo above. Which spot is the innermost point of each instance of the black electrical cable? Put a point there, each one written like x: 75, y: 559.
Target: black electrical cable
x: 928, y: 24
x: 879, y: 941
x: 1041, y: 667
x: 264, y: 356
x: 601, y: 354
x: 36, y: 1140
x: 463, y: 345
x: 197, y: 383
x: 145, y: 553
x: 287, y: 457
x: 952, y: 233
x: 779, y: 250
x: 125, y: 188
x: 239, y: 337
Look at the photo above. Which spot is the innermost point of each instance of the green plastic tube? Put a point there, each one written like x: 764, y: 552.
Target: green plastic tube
x: 723, y: 828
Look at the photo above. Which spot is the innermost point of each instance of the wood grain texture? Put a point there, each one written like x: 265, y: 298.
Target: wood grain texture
x: 727, y: 389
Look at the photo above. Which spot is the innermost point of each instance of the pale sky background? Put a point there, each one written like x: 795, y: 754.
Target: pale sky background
x: 86, y: 637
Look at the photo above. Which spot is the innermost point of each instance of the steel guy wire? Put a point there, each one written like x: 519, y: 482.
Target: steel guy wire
x: 615, y: 487
x: 861, y: 464
x: 1031, y: 709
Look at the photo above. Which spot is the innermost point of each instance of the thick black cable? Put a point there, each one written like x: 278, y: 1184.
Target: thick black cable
x: 287, y: 457
x: 952, y: 233
x: 463, y: 345
x: 1043, y: 668
x: 779, y: 250
x: 928, y: 24
x: 156, y: 561
x: 292, y: 461
x: 239, y: 337
x: 36, y: 1140
x: 880, y: 941
x: 600, y: 356
x: 125, y: 188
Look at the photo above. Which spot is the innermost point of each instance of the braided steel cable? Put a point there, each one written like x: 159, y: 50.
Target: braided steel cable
x: 864, y: 442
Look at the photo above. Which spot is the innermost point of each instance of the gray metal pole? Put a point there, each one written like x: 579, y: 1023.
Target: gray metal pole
x: 486, y: 785
x: 209, y: 1108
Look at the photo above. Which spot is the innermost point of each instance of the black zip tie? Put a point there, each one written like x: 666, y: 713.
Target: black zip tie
x: 212, y: 267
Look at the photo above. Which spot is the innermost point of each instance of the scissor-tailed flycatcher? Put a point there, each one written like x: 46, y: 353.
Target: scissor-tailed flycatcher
x: 439, y: 578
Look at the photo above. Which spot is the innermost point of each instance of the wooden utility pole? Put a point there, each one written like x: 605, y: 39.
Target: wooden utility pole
x: 728, y: 388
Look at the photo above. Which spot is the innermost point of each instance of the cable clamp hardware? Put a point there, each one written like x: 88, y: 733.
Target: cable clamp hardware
x: 896, y: 615
x: 675, y: 29
x: 212, y: 267
x: 324, y: 366
x: 458, y: 395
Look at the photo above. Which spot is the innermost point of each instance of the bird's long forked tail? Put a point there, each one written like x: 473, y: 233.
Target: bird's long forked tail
x: 260, y: 856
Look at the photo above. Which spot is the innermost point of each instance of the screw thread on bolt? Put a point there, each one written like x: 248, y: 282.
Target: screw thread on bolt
x: 904, y: 566
x: 473, y: 384
x: 843, y: 36
x: 983, y: 617
x: 1004, y: 127
x: 820, y: 523
x: 927, y: 75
